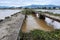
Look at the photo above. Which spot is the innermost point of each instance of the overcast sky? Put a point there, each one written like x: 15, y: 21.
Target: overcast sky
x: 28, y: 2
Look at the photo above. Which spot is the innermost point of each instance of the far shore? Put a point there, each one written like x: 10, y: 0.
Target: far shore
x: 23, y: 8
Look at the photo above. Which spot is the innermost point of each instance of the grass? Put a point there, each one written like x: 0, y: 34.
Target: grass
x: 32, y: 11
x: 50, y: 13
x: 27, y: 11
x: 41, y: 35
x: 53, y: 13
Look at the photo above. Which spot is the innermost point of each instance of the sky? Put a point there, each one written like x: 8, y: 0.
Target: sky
x: 28, y: 2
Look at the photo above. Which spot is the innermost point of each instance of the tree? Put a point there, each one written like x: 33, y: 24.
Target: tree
x: 44, y: 8
x: 49, y: 8
x: 54, y: 7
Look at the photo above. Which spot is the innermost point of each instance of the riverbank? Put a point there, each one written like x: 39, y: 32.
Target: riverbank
x: 10, y: 27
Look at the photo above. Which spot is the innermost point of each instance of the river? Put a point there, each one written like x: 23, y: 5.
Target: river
x: 8, y: 12
x: 32, y: 23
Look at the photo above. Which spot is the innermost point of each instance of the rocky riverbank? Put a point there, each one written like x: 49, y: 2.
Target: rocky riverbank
x: 10, y: 26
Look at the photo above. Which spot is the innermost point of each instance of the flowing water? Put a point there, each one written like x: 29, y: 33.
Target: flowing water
x: 7, y: 12
x: 32, y: 23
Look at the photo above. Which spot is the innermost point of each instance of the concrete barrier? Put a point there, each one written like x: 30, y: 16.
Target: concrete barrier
x: 10, y: 29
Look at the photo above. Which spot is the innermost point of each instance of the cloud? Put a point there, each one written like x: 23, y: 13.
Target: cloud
x: 28, y: 2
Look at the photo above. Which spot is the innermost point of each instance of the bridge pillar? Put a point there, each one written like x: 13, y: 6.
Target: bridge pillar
x: 41, y: 17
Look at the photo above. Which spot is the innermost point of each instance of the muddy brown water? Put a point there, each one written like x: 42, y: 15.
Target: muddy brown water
x: 32, y: 23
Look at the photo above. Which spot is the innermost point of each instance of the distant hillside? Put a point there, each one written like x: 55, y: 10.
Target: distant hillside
x: 6, y: 7
x: 31, y: 6
x: 41, y: 6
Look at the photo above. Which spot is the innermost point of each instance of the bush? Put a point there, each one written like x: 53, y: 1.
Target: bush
x: 15, y: 14
x: 7, y: 17
x: 54, y: 35
x: 1, y: 20
x: 43, y: 35
x: 28, y: 11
